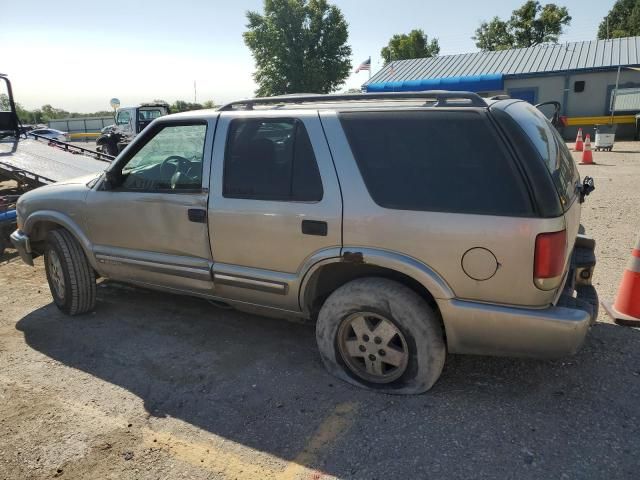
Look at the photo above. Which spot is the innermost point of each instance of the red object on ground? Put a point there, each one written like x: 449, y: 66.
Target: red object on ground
x: 626, y: 308
x: 587, y: 154
x: 579, y: 144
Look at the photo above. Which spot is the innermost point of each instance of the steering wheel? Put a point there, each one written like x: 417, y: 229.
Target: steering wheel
x: 177, y: 164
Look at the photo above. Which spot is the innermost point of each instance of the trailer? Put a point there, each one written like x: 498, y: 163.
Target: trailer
x: 33, y: 160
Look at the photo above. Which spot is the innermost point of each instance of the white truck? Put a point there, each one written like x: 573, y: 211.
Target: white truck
x: 129, y: 122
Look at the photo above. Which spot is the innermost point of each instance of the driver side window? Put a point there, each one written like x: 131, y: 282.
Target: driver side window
x: 123, y: 118
x: 171, y: 160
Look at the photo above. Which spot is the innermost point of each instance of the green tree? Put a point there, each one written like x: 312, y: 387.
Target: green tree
x: 494, y: 35
x: 529, y: 25
x: 24, y: 115
x: 182, y: 106
x: 298, y: 46
x: 623, y: 20
x: 52, y: 113
x: 413, y: 45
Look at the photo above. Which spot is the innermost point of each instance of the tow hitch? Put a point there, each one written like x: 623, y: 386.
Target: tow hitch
x: 586, y: 188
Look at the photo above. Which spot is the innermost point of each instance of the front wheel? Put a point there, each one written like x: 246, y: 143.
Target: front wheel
x: 71, y: 279
x: 109, y: 148
x: 377, y: 333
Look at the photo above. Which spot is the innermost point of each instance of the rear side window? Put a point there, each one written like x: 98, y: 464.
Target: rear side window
x: 435, y: 161
x: 551, y: 147
x: 270, y: 159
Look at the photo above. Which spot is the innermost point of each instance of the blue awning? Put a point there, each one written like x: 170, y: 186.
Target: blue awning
x: 476, y: 83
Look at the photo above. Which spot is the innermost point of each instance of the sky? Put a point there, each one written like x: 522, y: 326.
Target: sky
x: 77, y: 55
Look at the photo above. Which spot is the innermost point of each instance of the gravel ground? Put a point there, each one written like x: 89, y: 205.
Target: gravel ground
x: 153, y: 386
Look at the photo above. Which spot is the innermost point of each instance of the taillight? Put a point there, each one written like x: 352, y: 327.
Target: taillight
x: 548, y: 264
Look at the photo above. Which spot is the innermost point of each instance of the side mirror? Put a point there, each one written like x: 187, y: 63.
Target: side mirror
x: 111, y: 180
x: 586, y: 188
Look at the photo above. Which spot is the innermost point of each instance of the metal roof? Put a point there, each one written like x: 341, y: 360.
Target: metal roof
x: 547, y: 58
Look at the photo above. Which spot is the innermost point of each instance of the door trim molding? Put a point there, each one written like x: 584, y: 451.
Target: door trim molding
x: 168, y: 269
x: 251, y: 283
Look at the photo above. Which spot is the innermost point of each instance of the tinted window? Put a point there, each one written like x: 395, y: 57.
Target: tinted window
x: 551, y: 148
x: 270, y: 159
x: 170, y: 160
x: 435, y: 161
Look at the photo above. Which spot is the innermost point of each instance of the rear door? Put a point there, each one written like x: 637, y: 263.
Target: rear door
x: 275, y: 206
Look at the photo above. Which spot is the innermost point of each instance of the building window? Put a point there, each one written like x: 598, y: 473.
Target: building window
x: 578, y: 86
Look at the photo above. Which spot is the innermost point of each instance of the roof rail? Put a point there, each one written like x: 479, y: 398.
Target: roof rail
x: 442, y: 98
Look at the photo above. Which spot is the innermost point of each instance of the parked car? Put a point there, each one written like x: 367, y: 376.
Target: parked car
x: 51, y: 133
x: 404, y: 225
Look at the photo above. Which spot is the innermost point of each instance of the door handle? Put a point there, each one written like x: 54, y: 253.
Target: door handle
x: 314, y: 227
x: 197, y: 215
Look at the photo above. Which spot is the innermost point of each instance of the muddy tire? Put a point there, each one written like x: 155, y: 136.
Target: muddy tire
x: 71, y: 279
x: 379, y: 334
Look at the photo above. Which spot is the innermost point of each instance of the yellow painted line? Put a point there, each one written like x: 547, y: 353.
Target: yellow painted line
x: 84, y: 135
x: 335, y: 425
x: 247, y: 463
x: 224, y: 457
x: 620, y: 119
x: 250, y: 464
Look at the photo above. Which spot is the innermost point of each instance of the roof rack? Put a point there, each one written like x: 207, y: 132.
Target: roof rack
x: 441, y: 98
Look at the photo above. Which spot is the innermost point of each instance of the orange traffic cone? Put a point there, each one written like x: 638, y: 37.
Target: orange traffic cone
x: 587, y: 154
x: 626, y: 309
x: 579, y: 144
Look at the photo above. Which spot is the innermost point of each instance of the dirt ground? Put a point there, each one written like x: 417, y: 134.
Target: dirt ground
x: 153, y: 386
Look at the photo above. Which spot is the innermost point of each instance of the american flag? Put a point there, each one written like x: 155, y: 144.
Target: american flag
x: 366, y: 65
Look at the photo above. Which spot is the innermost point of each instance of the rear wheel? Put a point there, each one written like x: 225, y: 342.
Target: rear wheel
x: 377, y: 333
x: 71, y: 279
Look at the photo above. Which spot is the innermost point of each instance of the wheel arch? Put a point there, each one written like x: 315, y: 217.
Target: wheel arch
x: 38, y: 224
x: 327, y: 275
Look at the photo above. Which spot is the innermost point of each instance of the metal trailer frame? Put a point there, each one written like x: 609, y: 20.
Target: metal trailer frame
x: 9, y: 121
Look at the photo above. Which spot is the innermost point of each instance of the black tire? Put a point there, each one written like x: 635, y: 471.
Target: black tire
x: 109, y: 148
x: 418, y: 323
x: 78, y: 294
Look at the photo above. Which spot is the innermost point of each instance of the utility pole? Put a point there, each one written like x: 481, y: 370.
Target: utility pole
x: 614, y: 95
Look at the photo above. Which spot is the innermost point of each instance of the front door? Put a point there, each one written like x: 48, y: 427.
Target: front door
x: 275, y: 207
x: 150, y: 225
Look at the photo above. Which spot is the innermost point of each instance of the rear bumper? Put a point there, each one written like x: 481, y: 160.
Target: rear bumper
x: 21, y: 243
x: 555, y: 331
x: 483, y: 329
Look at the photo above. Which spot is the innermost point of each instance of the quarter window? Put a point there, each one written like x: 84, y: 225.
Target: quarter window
x: 552, y: 149
x: 170, y: 160
x: 441, y: 161
x: 270, y: 159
